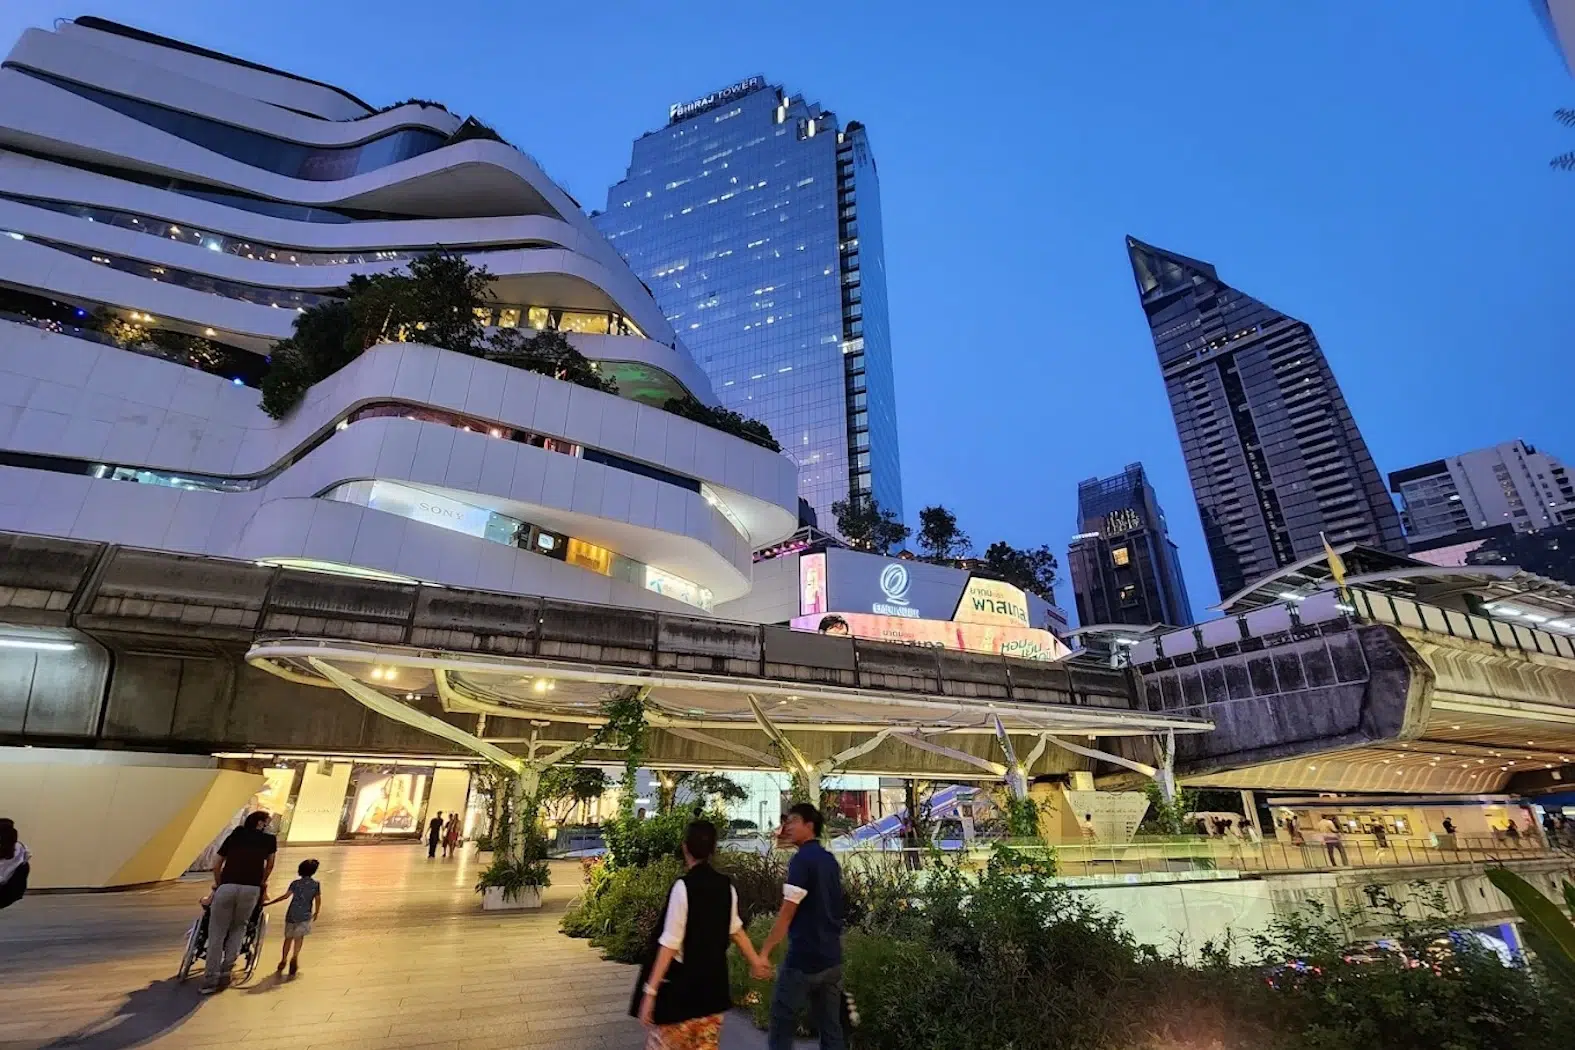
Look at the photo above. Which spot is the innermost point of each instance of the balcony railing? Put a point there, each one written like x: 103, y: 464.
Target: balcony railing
x: 1326, y: 608
x: 1162, y: 859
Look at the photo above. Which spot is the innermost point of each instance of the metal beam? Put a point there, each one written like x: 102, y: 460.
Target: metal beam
x: 1089, y: 752
x: 1016, y: 777
x: 726, y: 745
x: 402, y: 712
x: 919, y: 742
x: 805, y: 769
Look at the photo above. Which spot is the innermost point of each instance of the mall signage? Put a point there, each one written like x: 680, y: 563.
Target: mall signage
x: 916, y: 603
x: 684, y: 110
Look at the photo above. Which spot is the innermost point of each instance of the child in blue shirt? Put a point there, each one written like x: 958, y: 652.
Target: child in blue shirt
x: 306, y: 903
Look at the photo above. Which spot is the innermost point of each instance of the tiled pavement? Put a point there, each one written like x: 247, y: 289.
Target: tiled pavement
x: 403, y: 957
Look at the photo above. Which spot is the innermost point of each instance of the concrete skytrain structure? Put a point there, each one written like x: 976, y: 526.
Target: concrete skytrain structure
x: 187, y: 195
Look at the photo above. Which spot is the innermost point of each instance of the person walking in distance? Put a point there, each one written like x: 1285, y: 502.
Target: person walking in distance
x: 434, y: 833
x: 451, y: 835
x: 239, y: 880
x: 1332, y: 843
x: 306, y: 903
x: 811, y: 920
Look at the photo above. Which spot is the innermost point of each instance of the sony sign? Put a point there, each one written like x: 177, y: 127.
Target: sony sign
x: 685, y: 110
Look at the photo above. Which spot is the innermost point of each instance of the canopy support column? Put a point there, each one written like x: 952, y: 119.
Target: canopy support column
x: 791, y: 758
x: 1016, y: 772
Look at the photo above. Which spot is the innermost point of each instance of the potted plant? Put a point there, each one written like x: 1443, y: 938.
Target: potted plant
x: 510, y: 884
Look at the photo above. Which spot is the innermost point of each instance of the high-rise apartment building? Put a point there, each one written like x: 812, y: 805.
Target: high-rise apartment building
x: 1458, y: 499
x: 1274, y: 456
x: 754, y: 218
x: 1125, y: 568
x: 1558, y: 19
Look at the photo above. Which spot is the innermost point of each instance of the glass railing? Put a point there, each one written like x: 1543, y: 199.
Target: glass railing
x: 1159, y: 859
x: 1365, y: 606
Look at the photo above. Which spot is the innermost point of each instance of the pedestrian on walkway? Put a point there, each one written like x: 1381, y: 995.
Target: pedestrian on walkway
x: 451, y: 835
x: 15, y: 864
x: 1332, y: 842
x: 239, y: 881
x: 683, y: 993
x: 811, y: 920
x: 306, y: 903
x: 434, y: 833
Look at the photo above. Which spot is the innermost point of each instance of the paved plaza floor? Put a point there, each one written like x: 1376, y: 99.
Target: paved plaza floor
x: 403, y: 957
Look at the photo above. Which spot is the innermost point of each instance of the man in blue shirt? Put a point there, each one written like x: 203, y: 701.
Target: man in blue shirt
x: 811, y: 920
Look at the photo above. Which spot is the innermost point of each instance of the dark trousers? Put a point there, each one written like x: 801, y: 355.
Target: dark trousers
x: 821, y: 992
x: 432, y: 842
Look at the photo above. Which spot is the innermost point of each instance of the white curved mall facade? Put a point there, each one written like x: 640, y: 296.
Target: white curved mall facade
x: 193, y: 193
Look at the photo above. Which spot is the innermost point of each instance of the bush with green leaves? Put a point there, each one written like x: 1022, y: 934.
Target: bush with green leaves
x: 956, y: 960
x: 621, y: 908
x: 723, y: 419
x: 440, y: 299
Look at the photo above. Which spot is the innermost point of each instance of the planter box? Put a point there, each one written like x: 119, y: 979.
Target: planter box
x: 492, y: 899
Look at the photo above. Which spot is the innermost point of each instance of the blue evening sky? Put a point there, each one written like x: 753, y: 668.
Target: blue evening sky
x: 1378, y: 169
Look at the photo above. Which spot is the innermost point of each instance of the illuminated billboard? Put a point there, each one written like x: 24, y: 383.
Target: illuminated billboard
x: 991, y: 601
x: 849, y: 581
x: 1024, y: 643
x: 387, y: 803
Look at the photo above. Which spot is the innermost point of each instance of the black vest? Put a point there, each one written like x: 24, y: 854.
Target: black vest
x: 696, y: 987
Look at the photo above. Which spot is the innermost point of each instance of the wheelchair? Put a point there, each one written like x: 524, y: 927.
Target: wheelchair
x: 251, y: 945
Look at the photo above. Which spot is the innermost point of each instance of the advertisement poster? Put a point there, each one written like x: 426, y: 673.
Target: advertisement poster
x: 812, y: 584
x: 1023, y: 643
x: 991, y: 601
x: 388, y: 804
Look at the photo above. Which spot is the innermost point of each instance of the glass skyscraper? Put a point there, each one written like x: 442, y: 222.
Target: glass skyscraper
x: 1274, y: 456
x: 754, y: 218
x: 1125, y: 567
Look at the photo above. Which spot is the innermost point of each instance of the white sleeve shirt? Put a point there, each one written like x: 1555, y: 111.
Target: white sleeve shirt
x: 678, y: 918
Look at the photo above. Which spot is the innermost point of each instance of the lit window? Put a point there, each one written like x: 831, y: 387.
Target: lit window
x: 1119, y: 556
x: 589, y: 323
x: 509, y: 317
x: 589, y: 556
x: 537, y: 318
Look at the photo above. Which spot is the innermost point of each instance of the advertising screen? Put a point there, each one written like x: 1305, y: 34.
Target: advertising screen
x: 812, y: 584
x: 387, y: 804
x: 916, y: 590
x: 991, y: 601
x: 1024, y: 643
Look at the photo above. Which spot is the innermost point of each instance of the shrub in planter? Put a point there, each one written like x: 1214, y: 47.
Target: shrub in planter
x: 623, y: 914
x: 514, y: 877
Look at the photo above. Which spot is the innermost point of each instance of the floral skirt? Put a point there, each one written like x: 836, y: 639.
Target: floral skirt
x: 700, y: 1033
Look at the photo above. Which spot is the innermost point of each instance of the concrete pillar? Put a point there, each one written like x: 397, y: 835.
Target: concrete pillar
x: 1249, y: 805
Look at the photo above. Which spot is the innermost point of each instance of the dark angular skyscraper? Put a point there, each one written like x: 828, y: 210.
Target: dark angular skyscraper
x: 754, y: 218
x: 1273, y: 453
x: 1125, y: 569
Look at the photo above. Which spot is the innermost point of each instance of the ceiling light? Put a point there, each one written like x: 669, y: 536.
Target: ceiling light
x: 540, y: 685
x: 377, y: 672
x: 1290, y: 596
x: 39, y: 644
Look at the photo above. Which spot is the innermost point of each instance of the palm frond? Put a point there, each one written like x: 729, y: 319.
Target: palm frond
x: 1565, y: 117
x: 1563, y: 162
